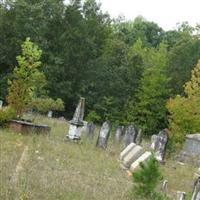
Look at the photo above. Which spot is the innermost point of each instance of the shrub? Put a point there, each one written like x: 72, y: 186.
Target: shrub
x: 185, y: 111
x: 43, y: 105
x: 6, y: 114
x: 28, y: 81
x: 146, y: 180
x: 93, y: 117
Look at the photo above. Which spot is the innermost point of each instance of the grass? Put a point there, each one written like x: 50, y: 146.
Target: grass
x: 58, y: 170
x: 55, y: 169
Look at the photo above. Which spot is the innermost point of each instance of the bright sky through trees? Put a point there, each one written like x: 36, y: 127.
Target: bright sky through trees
x: 164, y: 12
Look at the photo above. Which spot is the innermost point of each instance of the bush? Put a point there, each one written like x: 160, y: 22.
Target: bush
x: 146, y: 180
x: 93, y: 117
x: 27, y: 81
x: 6, y: 114
x: 43, y: 105
x: 185, y: 111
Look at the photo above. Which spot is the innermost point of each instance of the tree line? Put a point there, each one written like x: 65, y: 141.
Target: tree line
x: 126, y: 70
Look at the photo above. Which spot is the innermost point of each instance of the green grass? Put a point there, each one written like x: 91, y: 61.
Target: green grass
x: 55, y: 169
x: 58, y: 170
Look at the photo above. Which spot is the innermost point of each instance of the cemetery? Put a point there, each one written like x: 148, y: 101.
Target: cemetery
x: 94, y: 107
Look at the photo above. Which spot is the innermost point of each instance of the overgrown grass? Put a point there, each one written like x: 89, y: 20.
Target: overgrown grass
x: 61, y: 170
x: 56, y: 169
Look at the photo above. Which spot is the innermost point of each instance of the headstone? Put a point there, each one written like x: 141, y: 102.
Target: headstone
x: 143, y: 158
x: 127, y: 150
x: 196, y: 190
x: 130, y: 135
x: 164, y: 186
x: 50, y: 114
x: 192, y: 144
x: 139, y: 137
x: 1, y: 104
x: 159, y: 144
x: 119, y: 134
x: 191, y: 150
x: 76, y: 123
x: 133, y: 155
x: 104, y: 135
x: 181, y: 195
x: 90, y: 130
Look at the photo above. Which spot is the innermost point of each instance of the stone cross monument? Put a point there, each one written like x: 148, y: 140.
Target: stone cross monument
x: 76, y: 123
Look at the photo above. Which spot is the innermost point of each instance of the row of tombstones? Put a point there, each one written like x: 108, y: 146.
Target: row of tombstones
x: 129, y: 134
x: 182, y: 195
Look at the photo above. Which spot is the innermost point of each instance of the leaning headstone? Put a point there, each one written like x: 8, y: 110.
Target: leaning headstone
x: 125, y: 152
x: 143, y: 158
x: 76, y: 123
x: 119, y: 134
x: 104, y: 135
x: 133, y: 155
x: 196, y: 190
x: 130, y: 135
x: 139, y: 137
x: 1, y: 104
x: 50, y: 114
x: 159, y: 144
x: 181, y: 195
x: 90, y: 131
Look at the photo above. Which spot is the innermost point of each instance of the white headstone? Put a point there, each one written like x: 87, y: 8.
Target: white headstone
x: 1, y: 104
x: 144, y: 158
x: 50, y: 114
x: 133, y: 155
x: 181, y: 195
x: 127, y: 150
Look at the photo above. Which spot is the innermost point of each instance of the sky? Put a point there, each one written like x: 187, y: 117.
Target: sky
x: 166, y: 13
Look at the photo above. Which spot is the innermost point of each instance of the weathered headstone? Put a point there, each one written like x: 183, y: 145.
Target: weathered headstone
x: 130, y: 135
x: 50, y: 114
x: 159, y: 144
x: 133, y: 155
x: 127, y: 150
x: 139, y: 137
x: 191, y: 150
x: 196, y: 190
x: 192, y: 144
x: 143, y: 158
x: 181, y: 195
x: 119, y: 134
x: 104, y: 135
x: 90, y: 130
x: 76, y: 123
x: 164, y: 186
x: 1, y: 104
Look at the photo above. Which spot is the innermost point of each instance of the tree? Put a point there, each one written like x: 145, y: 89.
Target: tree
x: 146, y: 179
x: 28, y: 81
x: 185, y: 110
x: 148, y: 110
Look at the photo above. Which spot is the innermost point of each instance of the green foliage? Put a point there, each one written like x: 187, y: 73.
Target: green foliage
x: 28, y: 80
x: 146, y: 179
x: 43, y: 105
x: 6, y: 114
x: 148, y: 108
x: 93, y: 117
x: 185, y: 110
